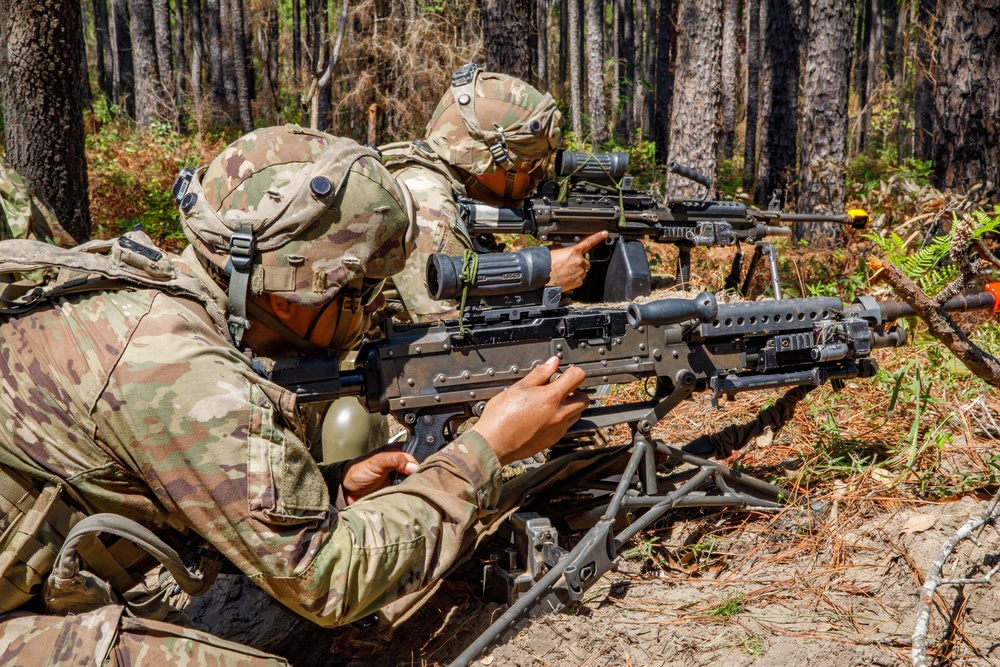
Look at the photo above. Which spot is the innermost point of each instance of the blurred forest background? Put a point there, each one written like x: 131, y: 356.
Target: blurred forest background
x: 825, y: 99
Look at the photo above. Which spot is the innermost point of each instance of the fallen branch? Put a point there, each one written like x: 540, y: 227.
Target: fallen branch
x: 939, y: 324
x: 925, y: 593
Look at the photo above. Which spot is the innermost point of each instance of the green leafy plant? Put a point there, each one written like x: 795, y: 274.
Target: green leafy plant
x: 728, y: 608
x: 927, y: 266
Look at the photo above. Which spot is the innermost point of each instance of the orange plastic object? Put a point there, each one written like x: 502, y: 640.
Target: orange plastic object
x: 994, y: 289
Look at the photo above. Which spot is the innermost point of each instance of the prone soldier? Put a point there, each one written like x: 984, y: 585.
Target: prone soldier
x: 131, y: 405
x: 491, y: 138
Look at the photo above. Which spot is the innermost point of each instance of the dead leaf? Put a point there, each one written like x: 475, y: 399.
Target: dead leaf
x: 919, y: 523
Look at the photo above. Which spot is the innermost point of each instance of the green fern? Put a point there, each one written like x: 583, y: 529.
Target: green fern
x: 927, y: 266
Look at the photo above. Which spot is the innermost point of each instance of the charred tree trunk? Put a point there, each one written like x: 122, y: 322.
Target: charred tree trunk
x: 215, y: 69
x: 923, y: 95
x: 564, y: 40
x: 575, y: 21
x: 297, y: 41
x: 240, y: 70
x: 197, y: 56
x: 595, y: 73
x: 105, y: 58
x: 506, y: 30
x: 180, y: 52
x: 268, y: 36
x: 625, y: 74
x: 863, y: 31
x: 86, y: 95
x: 752, y: 96
x: 966, y: 103
x: 732, y: 21
x: 124, y: 68
x: 695, y: 116
x: 645, y: 100
x: 147, y: 77
x: 664, y: 80
x: 164, y: 43
x: 228, y: 66
x: 542, y: 14
x: 779, y: 88
x: 40, y: 97
x: 824, y: 117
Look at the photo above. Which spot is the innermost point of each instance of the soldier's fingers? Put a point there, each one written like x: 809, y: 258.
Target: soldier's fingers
x: 568, y: 382
x: 540, y: 374
x: 386, y: 462
x: 592, y: 241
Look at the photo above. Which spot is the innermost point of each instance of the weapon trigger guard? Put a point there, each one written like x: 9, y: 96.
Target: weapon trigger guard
x: 429, y: 431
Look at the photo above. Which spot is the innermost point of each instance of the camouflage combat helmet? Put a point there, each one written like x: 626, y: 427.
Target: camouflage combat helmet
x: 489, y: 122
x: 295, y: 213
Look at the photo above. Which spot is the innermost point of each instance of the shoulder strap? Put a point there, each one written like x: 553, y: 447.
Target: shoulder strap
x: 130, y: 261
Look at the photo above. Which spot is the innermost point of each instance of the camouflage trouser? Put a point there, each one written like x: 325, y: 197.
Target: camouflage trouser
x: 108, y: 637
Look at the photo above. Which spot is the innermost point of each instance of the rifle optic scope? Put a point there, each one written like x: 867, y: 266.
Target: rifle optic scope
x: 498, y: 273
x: 600, y: 168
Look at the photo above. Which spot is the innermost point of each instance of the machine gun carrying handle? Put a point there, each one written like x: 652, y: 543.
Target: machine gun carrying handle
x: 673, y: 311
x: 690, y: 174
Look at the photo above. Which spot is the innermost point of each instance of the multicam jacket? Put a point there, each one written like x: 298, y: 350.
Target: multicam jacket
x: 23, y: 215
x: 144, y: 408
x: 434, y: 188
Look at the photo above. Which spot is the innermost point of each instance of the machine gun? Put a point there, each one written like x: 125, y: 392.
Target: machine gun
x: 596, y: 194
x: 433, y: 376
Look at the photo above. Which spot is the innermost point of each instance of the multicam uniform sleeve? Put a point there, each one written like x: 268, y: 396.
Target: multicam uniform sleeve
x: 185, y: 412
x: 437, y: 216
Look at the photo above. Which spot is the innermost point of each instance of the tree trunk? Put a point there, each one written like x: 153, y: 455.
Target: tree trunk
x: 147, y: 76
x: 124, y: 72
x: 86, y: 95
x: 240, y: 66
x: 923, y: 95
x: 644, y: 99
x: 506, y: 29
x: 40, y: 97
x: 824, y: 118
x: 164, y: 43
x: 731, y: 23
x: 296, y: 41
x: 269, y: 37
x: 564, y: 40
x: 228, y: 66
x: 197, y: 55
x: 595, y: 73
x: 215, y: 69
x: 180, y: 52
x: 779, y: 88
x: 574, y: 18
x: 752, y: 96
x: 625, y: 77
x: 695, y: 116
x: 862, y: 25
x: 966, y: 103
x: 664, y: 80
x: 105, y: 58
x: 542, y: 14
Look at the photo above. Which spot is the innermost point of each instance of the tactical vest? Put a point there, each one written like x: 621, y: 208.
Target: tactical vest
x: 38, y: 516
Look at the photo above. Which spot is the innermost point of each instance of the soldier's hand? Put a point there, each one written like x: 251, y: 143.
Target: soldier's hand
x: 533, y: 413
x: 371, y: 472
x: 570, y: 265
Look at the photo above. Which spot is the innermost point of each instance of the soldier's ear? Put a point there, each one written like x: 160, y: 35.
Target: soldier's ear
x: 280, y: 307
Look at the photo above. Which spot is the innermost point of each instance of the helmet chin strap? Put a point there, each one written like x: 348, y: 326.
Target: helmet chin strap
x: 277, y: 326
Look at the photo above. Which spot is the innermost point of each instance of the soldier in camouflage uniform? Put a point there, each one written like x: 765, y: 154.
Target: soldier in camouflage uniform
x: 23, y: 214
x: 134, y: 395
x: 490, y: 138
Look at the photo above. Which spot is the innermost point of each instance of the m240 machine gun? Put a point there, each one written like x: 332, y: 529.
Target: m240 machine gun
x: 433, y: 376
x: 595, y: 194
